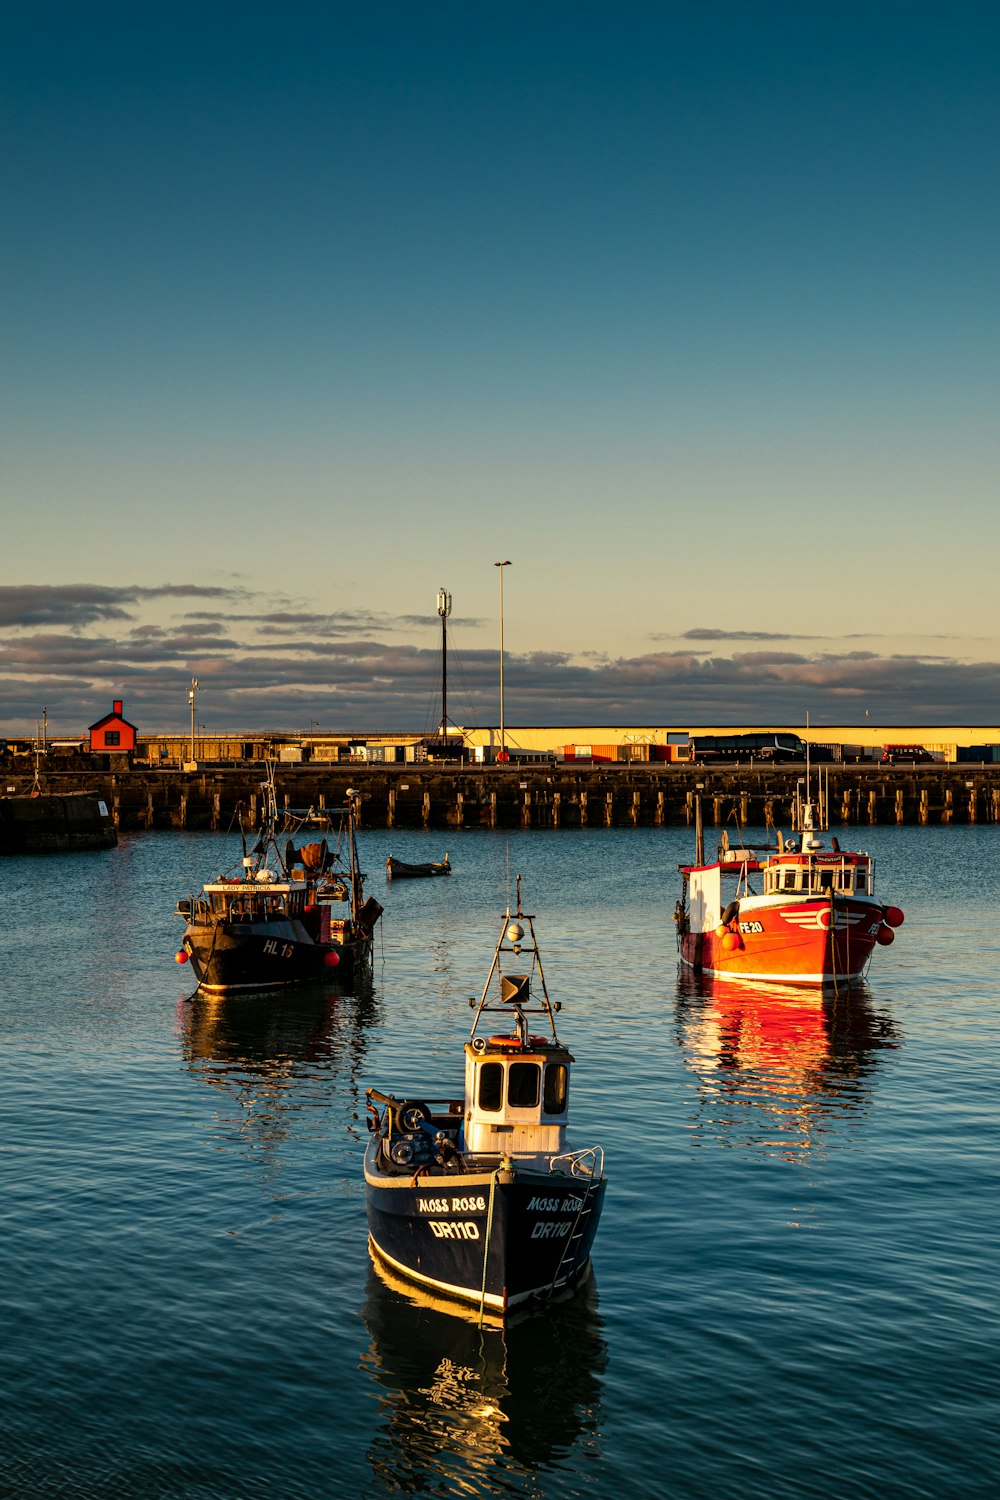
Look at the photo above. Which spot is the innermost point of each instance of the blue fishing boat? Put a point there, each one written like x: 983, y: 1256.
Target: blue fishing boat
x: 480, y: 1198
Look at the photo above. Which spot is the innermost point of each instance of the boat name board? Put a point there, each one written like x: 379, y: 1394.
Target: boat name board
x: 555, y: 1205
x: 456, y: 1206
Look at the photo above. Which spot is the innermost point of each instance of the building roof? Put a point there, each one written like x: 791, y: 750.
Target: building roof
x: 112, y: 718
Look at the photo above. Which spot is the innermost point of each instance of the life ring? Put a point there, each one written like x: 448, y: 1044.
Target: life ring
x: 505, y: 1041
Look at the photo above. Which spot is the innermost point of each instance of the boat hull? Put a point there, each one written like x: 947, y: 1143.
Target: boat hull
x: 802, y: 942
x: 395, y: 869
x: 498, y: 1239
x: 227, y: 956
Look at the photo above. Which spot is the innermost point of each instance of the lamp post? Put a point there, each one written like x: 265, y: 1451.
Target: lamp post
x: 502, y: 753
x: 444, y: 610
x: 191, y: 693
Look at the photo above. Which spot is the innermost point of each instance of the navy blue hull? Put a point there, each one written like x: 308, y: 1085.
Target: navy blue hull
x: 260, y: 955
x: 503, y: 1238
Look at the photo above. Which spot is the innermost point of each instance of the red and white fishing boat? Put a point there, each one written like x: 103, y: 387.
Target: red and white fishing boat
x: 799, y: 912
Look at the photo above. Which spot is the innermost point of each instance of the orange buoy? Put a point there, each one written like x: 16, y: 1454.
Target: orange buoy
x: 731, y: 942
x: 180, y: 957
x: 721, y: 931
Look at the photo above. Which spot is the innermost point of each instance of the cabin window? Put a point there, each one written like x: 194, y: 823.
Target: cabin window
x: 522, y: 1085
x: 491, y: 1086
x: 556, y: 1084
x: 826, y: 880
x: 790, y: 876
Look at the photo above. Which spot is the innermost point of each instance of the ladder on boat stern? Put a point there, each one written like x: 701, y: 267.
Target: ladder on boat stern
x: 579, y: 1228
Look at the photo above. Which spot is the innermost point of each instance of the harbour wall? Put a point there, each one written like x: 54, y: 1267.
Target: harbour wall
x: 540, y: 797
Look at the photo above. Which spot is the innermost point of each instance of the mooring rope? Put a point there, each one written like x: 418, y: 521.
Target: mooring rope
x: 494, y: 1179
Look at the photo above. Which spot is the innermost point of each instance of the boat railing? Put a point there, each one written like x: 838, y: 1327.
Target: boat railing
x: 589, y: 1162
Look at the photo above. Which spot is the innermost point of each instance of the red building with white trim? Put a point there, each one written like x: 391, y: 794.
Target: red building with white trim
x: 114, y: 732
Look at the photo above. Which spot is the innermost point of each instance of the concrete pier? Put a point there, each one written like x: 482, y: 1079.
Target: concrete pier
x: 543, y: 796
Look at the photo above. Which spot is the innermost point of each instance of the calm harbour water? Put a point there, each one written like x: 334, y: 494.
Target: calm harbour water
x: 795, y: 1289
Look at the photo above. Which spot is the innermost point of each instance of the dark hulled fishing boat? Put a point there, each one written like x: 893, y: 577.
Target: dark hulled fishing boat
x: 288, y: 914
x: 480, y: 1198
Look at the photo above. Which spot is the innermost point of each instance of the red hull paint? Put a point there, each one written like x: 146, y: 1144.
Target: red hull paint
x: 794, y: 944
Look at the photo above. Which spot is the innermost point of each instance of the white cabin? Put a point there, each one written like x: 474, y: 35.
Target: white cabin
x: 516, y: 1089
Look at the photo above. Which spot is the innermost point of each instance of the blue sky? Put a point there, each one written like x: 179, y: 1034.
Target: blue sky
x: 691, y: 312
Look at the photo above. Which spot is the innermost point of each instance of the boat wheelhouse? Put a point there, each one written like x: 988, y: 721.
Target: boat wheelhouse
x: 481, y: 1199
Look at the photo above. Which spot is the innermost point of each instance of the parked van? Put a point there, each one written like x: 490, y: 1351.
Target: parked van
x: 906, y: 755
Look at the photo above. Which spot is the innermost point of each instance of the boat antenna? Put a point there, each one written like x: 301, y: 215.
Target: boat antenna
x: 808, y: 771
x: 699, y: 828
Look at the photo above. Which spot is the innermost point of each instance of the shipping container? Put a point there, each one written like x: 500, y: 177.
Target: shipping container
x: 978, y: 754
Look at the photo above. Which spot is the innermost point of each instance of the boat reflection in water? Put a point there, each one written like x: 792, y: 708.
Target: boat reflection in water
x: 269, y: 1062
x: 468, y: 1407
x: 780, y: 1067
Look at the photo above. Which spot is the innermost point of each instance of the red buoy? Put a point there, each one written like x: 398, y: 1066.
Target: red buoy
x: 180, y: 957
x: 331, y: 959
x: 894, y: 916
x: 885, y: 936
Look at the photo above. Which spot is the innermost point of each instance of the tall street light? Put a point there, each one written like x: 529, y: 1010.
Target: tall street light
x: 502, y: 754
x: 191, y: 693
x: 444, y: 610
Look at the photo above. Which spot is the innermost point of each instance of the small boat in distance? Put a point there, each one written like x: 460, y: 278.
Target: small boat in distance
x: 287, y: 914
x: 398, y: 869
x: 479, y: 1199
x: 796, y: 913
